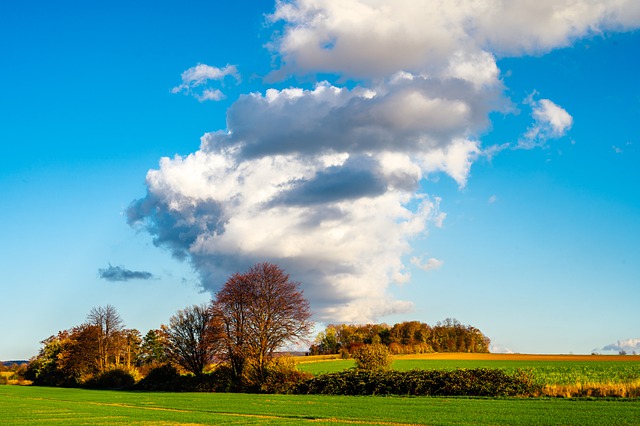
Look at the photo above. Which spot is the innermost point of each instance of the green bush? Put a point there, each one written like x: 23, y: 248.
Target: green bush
x: 117, y: 378
x: 460, y: 382
x: 219, y: 380
x: 167, y: 378
x: 162, y: 378
x: 45, y: 373
x: 374, y: 357
x: 282, y: 376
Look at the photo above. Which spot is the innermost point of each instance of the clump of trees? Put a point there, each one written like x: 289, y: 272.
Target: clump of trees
x: 403, y: 338
x: 76, y: 355
x: 253, y: 315
x: 12, y: 372
x: 232, y: 343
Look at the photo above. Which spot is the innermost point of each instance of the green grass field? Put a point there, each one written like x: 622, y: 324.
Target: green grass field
x: 26, y: 405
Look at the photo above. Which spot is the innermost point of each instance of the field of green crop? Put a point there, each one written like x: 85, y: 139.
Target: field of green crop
x: 545, y: 372
x: 26, y: 405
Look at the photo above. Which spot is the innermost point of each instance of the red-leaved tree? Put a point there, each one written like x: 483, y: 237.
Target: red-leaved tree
x: 261, y: 311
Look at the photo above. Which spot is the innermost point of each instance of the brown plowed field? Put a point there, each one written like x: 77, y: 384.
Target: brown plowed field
x: 520, y: 357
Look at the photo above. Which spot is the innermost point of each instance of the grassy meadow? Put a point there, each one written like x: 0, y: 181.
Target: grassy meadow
x: 562, y: 376
x: 26, y: 405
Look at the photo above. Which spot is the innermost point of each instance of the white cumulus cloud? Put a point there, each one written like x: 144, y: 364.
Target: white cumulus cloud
x: 375, y: 38
x: 335, y: 222
x: 325, y: 181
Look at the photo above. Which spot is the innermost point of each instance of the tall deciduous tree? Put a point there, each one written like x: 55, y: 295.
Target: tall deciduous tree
x: 193, y: 336
x: 110, y: 326
x: 130, y: 346
x: 261, y: 311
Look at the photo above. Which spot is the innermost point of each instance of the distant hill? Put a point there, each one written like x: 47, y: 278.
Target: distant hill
x: 14, y: 362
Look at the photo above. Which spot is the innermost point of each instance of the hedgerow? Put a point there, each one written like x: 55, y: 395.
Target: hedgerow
x: 167, y: 378
x: 460, y: 382
x: 283, y: 378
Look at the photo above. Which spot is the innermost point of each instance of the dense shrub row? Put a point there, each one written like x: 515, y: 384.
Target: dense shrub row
x: 162, y: 378
x: 460, y: 382
x: 285, y: 380
x: 280, y: 376
x: 167, y: 378
x: 116, y: 378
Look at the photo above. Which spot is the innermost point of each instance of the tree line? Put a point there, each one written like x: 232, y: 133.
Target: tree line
x: 254, y: 315
x: 408, y: 337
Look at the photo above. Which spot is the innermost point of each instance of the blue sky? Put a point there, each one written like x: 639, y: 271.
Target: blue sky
x: 487, y: 175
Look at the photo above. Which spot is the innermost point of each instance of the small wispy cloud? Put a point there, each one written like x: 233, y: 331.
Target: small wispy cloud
x: 620, y: 150
x: 493, y: 150
x: 492, y: 199
x: 550, y: 121
x: 120, y: 273
x: 196, y: 79
x: 430, y: 265
x: 210, y: 95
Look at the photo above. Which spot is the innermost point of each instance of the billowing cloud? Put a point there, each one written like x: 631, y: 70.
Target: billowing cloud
x: 325, y: 180
x: 336, y: 222
x: 629, y: 346
x: 195, y: 80
x: 413, y: 116
x: 550, y: 121
x: 120, y: 273
x: 375, y: 38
